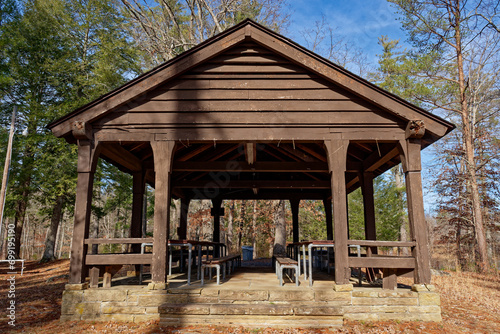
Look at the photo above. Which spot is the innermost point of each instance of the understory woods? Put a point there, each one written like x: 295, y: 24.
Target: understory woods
x: 57, y: 55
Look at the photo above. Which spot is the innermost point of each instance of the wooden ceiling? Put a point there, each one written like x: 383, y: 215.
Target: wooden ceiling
x: 253, y: 170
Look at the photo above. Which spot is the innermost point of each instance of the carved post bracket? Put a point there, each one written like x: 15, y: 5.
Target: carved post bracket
x: 81, y: 130
x: 415, y: 129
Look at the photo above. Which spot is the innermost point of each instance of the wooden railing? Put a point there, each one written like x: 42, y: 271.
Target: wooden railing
x: 373, y: 260
x: 119, y: 259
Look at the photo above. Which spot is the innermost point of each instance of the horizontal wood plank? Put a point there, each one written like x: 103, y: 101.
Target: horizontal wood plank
x: 122, y: 157
x: 101, y: 241
x: 246, y: 94
x: 259, y: 166
x: 109, y: 259
x: 249, y: 58
x: 382, y: 262
x: 248, y: 68
x: 250, y: 105
x: 221, y: 119
x: 380, y: 243
x: 262, y: 184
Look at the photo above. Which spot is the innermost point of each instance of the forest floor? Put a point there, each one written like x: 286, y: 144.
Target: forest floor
x: 470, y: 304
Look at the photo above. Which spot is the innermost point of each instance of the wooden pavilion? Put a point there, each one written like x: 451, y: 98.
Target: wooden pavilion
x: 249, y: 114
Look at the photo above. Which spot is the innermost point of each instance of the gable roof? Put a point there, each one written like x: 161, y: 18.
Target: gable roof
x: 248, y: 30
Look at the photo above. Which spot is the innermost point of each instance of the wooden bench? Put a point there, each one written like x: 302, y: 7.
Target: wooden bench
x: 233, y: 261
x: 287, y: 263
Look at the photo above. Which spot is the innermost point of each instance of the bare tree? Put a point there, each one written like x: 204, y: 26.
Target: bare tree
x: 326, y: 40
x: 166, y: 28
x: 459, y: 55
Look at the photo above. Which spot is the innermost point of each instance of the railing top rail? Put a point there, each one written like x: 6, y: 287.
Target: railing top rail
x: 379, y: 243
x: 98, y: 241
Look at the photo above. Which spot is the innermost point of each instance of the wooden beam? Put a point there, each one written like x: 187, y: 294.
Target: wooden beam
x: 101, y: 241
x: 297, y: 153
x: 121, y: 156
x: 260, y: 184
x: 109, y: 259
x: 380, y: 243
x: 312, y: 152
x: 382, y: 262
x: 378, y: 158
x: 260, y: 166
x: 195, y: 152
x: 248, y: 194
x: 375, y: 161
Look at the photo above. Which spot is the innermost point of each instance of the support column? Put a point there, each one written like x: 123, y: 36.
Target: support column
x: 137, y: 207
x: 163, y: 155
x: 182, y: 230
x: 327, y: 203
x: 216, y: 212
x: 294, y: 204
x: 366, y: 179
x: 416, y: 215
x: 337, y: 157
x: 87, y: 161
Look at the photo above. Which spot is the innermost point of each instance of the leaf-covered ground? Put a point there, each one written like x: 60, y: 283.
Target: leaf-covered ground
x: 470, y: 304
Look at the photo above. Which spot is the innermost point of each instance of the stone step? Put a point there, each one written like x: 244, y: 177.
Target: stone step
x: 250, y: 309
x: 252, y: 321
x: 251, y: 315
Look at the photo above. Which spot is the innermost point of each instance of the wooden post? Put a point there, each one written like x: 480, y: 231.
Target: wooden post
x: 337, y: 157
x: 416, y: 215
x: 94, y: 278
x: 137, y: 206
x: 216, y: 205
x: 366, y: 179
x: 163, y: 154
x: 182, y: 230
x: 87, y: 161
x: 294, y: 204
x: 327, y: 203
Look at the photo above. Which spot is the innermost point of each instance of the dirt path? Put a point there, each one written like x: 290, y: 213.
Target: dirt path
x: 470, y: 304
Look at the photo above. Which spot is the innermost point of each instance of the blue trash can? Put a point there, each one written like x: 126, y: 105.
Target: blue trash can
x: 247, y: 253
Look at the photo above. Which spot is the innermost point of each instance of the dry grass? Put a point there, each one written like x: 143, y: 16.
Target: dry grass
x: 470, y: 304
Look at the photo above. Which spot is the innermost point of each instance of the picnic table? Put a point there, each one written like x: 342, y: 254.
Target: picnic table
x: 215, y: 247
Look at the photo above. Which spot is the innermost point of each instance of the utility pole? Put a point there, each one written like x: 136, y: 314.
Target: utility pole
x: 5, y: 178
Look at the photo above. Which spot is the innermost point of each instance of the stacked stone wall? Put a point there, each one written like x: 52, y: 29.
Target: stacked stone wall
x: 253, y: 307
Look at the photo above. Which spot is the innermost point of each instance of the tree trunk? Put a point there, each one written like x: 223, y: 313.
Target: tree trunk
x: 240, y: 228
x: 50, y: 241
x: 468, y: 139
x: 229, y: 235
x: 21, y: 216
x: 280, y: 231
x: 61, y: 239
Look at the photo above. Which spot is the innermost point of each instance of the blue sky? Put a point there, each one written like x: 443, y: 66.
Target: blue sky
x: 361, y: 22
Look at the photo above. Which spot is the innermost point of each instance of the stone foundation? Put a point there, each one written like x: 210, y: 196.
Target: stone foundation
x: 286, y: 307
